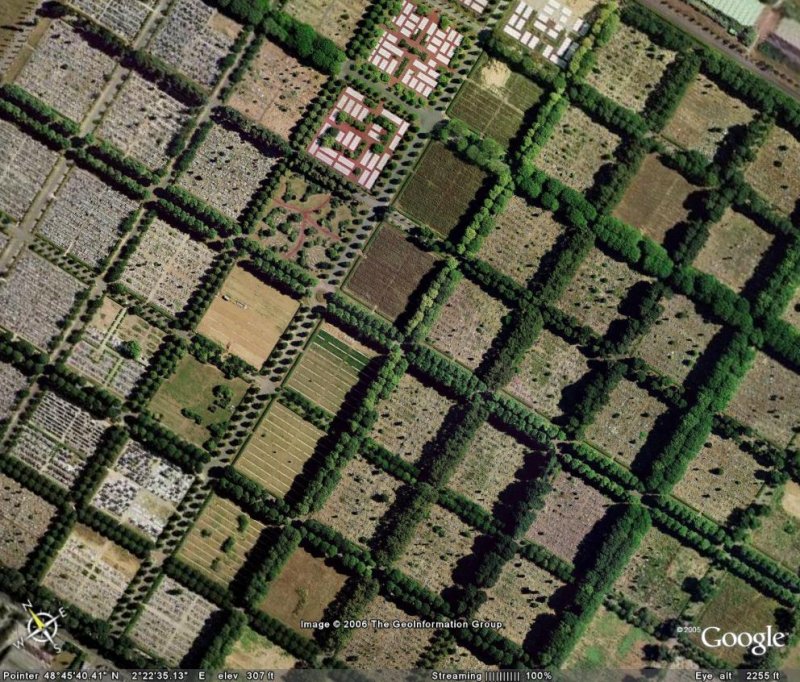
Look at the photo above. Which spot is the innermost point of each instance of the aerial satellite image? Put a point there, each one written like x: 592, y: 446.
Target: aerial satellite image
x: 390, y: 340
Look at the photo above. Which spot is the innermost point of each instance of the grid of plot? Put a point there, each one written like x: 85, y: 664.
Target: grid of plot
x: 123, y: 17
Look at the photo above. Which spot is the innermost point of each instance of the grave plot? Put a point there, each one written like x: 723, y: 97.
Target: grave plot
x: 142, y: 121
x: 12, y: 382
x: 571, y: 509
x: 577, y: 150
x: 546, y: 372
x: 494, y: 99
x: 409, y: 418
x: 123, y: 18
x: 440, y: 542
x: 166, y: 267
x: 705, y: 116
x: 194, y: 39
x: 142, y: 490
x: 24, y: 166
x: 775, y: 172
x: 115, y: 348
x: 595, y: 293
x: 255, y: 652
x: 330, y: 368
x: 548, y: 28
x: 522, y: 236
x: 65, y: 72
x: 677, y: 339
x: 91, y: 572
x: 734, y: 248
x: 441, y: 190
x: 302, y: 591
x: 458, y: 658
x: 172, y: 619
x: 226, y: 171
x: 83, y: 218
x: 220, y: 541
x: 490, y: 465
x: 623, y: 425
x: 35, y: 297
x: 336, y: 20
x: 656, y: 573
x: 306, y: 224
x: 779, y: 532
x: 58, y: 439
x: 363, y: 495
x: 629, y: 67
x: 278, y: 449
x: 24, y: 519
x: 522, y: 594
x: 276, y: 89
x: 467, y: 324
x: 247, y: 317
x: 358, y: 138
x: 655, y: 213
x: 197, y: 400
x: 386, y: 648
x: 768, y: 400
x: 389, y: 272
x: 721, y: 478
x: 415, y: 49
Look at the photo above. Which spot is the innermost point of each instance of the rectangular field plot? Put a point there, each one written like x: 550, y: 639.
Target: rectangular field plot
x: 677, y: 339
x: 523, y: 593
x: 24, y: 166
x: 91, y: 572
x: 84, y: 217
x: 196, y: 399
x: 278, y: 449
x: 104, y: 352
x: 142, y: 490
x: 775, y: 172
x: 247, y: 317
x: 330, y: 368
x: 467, y: 324
x: 490, y: 466
x: 442, y: 189
x: 600, y: 285
x: 389, y: 273
x: 276, y: 89
x: 302, y: 590
x: 24, y: 519
x: 65, y: 72
x: 656, y: 573
x: 220, y: 541
x: 255, y: 652
x: 363, y: 495
x: 494, y: 100
x: 409, y: 418
x: 386, y: 648
x: 123, y: 18
x: 655, y: 213
x: 226, y: 171
x: 628, y: 67
x: 623, y: 425
x: 440, y: 542
x: 336, y: 19
x: 194, y: 39
x: 768, y: 400
x: 571, y: 509
x: 734, y: 248
x: 172, y: 619
x: 546, y: 372
x: 704, y: 117
x: 577, y: 150
x: 779, y: 532
x: 142, y: 121
x: 58, y: 439
x: 12, y: 382
x: 167, y: 267
x: 522, y: 236
x: 721, y: 478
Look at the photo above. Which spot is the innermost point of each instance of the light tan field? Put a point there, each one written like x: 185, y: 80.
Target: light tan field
x: 775, y: 172
x: 255, y: 652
